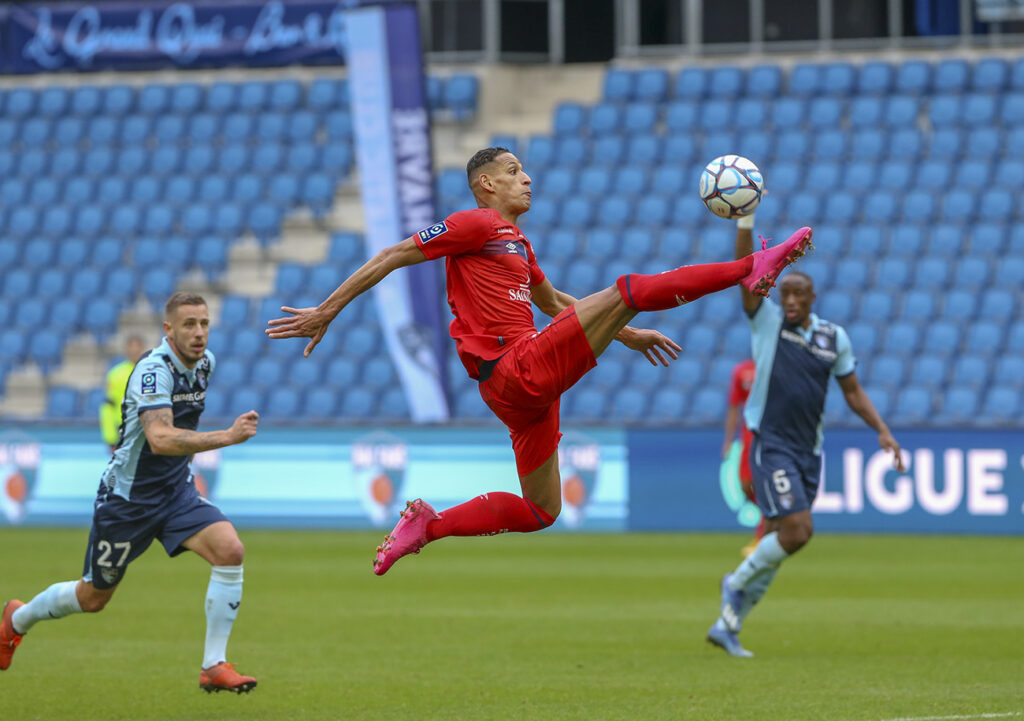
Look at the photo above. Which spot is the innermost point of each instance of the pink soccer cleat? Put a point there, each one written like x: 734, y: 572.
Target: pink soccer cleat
x: 769, y: 262
x: 409, y: 536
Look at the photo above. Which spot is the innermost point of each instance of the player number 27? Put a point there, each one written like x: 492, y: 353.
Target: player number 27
x: 106, y: 549
x: 782, y: 484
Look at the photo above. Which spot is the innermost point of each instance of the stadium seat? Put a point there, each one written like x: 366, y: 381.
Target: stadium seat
x: 959, y: 306
x: 667, y: 406
x: 874, y: 78
x: 929, y: 372
x: 959, y: 406
x: 942, y: 339
x: 918, y: 306
x: 970, y: 371
x: 902, y: 339
x: 859, y: 175
x: 61, y: 403
x: 1009, y: 372
x: 570, y: 119
x: 998, y: 305
x: 101, y: 316
x: 681, y: 117
x: 868, y: 145
x: 707, y: 407
x: 876, y: 306
x: 618, y: 85
x: 805, y: 80
x: 906, y: 144
x: 886, y: 371
x: 1001, y: 407
x: 764, y: 81
x: 690, y: 83
x: 990, y: 75
x: 913, y: 406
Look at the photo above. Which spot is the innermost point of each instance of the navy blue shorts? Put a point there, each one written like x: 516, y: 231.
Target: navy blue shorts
x: 785, y: 480
x: 121, y: 531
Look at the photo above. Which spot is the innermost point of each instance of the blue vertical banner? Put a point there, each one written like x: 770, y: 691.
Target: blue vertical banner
x: 392, y: 133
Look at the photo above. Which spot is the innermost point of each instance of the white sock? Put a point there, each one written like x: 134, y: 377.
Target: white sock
x: 768, y: 555
x: 755, y: 590
x: 58, y: 601
x: 223, y: 596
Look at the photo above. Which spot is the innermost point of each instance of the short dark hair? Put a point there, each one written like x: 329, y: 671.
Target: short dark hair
x: 801, y: 274
x: 480, y: 159
x: 179, y: 299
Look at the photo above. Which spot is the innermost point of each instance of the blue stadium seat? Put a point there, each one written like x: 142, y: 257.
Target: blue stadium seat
x: 901, y: 111
x: 859, y: 176
x: 700, y: 341
x: 918, y: 207
x: 764, y: 81
x: 13, y: 192
x: 865, y: 112
x: 668, y: 405
x: 65, y: 163
x: 880, y: 207
x: 942, y: 339
x: 707, y: 407
x: 997, y: 305
x: 913, y: 406
x: 639, y: 118
x: 931, y: 274
x: 876, y: 306
x: 970, y: 371
x: 990, y: 75
x: 36, y: 132
x: 23, y: 222
x: 886, y: 371
x: 691, y: 83
x: 985, y: 338
x: 830, y: 145
x: 243, y: 400
x: 973, y: 175
x: 168, y: 130
x: 867, y: 145
x: 33, y: 163
x: 1015, y: 339
x: 958, y: 206
x: 20, y: 102
x: 651, y: 85
x: 805, y: 80
x: 951, y: 76
x: 571, y: 152
x: 158, y: 285
x: 918, y: 306
x: 913, y: 76
x: 1001, y: 407
x: 460, y: 96
x: 68, y: 131
x: 1010, y: 273
x: 789, y: 113
x: 681, y: 116
x: 997, y: 206
x: 46, y: 347
x: 324, y: 94
x: 934, y: 175
x: 895, y: 175
x: 85, y: 100
x: 62, y: 403
x: 30, y: 314
x: 52, y: 284
x: 198, y: 160
x: 959, y: 406
x: 792, y: 144
x: 946, y: 144
x: 1009, y: 372
x: 874, y: 78
x: 725, y: 81
x: 971, y: 274
x: 358, y: 403
x: 979, y: 111
x: 618, y: 85
x: 101, y: 315
x: 838, y: 78
x: 959, y: 306
x: 266, y: 373
x: 906, y: 143
x: 824, y: 113
x: 986, y: 143
x: 1012, y: 112
x: 154, y: 99
x: 902, y: 339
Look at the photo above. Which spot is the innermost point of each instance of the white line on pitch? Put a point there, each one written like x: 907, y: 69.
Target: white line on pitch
x: 956, y: 718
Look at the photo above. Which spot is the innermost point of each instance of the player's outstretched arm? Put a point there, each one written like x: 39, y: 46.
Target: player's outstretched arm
x: 744, y: 247
x: 861, y: 404
x: 312, y: 322
x: 167, y: 440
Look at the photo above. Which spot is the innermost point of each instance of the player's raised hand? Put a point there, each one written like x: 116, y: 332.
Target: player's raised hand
x: 245, y: 426
x: 303, y: 323
x: 886, y: 441
x: 654, y: 345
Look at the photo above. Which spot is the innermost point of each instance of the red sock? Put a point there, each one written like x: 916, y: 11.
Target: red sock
x: 489, y: 514
x: 682, y: 285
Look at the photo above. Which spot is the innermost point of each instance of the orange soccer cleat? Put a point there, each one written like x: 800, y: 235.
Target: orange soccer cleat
x: 9, y: 640
x: 224, y: 677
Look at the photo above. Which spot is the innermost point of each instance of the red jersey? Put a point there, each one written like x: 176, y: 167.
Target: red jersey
x: 491, y: 269
x: 742, y: 379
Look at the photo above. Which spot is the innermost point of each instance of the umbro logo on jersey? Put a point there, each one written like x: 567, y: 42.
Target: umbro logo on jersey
x: 433, y: 231
x: 511, y: 247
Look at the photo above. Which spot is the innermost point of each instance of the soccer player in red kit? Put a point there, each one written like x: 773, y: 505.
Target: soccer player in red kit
x: 739, y: 388
x: 492, y: 278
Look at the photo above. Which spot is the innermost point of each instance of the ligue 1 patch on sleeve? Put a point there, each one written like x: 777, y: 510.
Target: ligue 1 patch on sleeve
x: 148, y: 384
x: 433, y: 231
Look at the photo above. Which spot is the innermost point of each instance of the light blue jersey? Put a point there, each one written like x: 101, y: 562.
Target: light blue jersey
x: 793, y: 365
x: 159, y: 380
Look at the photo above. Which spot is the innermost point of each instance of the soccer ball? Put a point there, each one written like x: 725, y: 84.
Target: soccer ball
x: 731, y: 186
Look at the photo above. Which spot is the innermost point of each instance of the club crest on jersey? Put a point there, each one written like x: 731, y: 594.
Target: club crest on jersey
x: 148, y: 384
x: 201, y: 378
x: 821, y: 340
x: 428, y: 234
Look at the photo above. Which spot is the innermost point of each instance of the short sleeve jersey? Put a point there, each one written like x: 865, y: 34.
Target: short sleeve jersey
x: 742, y: 380
x: 490, y: 269
x: 159, y: 380
x: 793, y: 367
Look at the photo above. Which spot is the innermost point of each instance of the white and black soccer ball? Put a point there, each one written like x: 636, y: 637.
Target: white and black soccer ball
x: 731, y: 186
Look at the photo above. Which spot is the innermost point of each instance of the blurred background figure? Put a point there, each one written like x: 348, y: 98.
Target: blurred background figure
x: 739, y: 389
x: 117, y: 379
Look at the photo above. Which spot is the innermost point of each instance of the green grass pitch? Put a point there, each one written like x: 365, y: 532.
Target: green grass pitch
x: 540, y: 627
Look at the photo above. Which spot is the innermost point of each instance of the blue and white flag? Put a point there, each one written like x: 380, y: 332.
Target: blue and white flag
x: 392, y: 133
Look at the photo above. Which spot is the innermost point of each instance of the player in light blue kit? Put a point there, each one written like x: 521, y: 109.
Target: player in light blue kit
x: 795, y: 353
x: 146, y: 493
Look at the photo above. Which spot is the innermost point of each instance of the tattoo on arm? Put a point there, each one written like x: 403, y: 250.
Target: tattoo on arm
x: 167, y: 440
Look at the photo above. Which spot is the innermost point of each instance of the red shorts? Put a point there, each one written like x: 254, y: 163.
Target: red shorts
x: 527, y: 383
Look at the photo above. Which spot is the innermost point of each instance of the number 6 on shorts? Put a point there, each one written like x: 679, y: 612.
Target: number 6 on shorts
x: 781, y: 482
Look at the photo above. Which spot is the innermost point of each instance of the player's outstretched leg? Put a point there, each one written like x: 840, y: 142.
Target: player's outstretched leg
x: 756, y: 272
x: 409, y: 535
x: 9, y: 638
x: 769, y: 262
x: 224, y: 677
x: 726, y: 640
x: 486, y: 515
